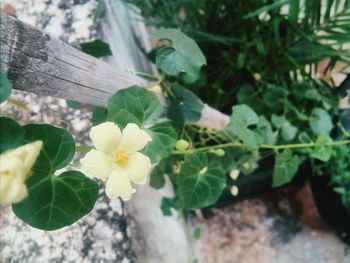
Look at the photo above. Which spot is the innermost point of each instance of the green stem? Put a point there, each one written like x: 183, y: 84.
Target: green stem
x: 303, y: 145
x: 145, y: 75
x: 207, y: 148
x: 263, y: 146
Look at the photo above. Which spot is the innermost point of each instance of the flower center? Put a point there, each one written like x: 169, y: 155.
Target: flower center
x: 121, y: 157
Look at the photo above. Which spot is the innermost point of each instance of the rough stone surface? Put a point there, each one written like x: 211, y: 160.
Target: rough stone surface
x: 260, y: 231
x: 69, y: 20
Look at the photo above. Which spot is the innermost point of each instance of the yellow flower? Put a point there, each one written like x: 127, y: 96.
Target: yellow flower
x: 15, y: 167
x: 116, y: 158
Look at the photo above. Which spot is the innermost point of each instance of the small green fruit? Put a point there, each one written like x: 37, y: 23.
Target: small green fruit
x: 181, y: 145
x: 219, y: 152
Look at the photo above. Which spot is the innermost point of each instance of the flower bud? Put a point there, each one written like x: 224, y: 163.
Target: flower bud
x: 257, y: 76
x: 234, y: 190
x: 219, y: 152
x: 234, y: 174
x: 181, y: 145
x: 15, y: 168
x: 247, y: 165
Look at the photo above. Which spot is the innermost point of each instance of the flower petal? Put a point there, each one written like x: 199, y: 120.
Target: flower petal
x: 13, y: 174
x: 134, y: 139
x: 137, y: 168
x: 97, y: 164
x: 28, y: 154
x: 118, y: 185
x: 106, y: 137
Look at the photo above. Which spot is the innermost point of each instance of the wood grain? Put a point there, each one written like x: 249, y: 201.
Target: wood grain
x: 37, y: 63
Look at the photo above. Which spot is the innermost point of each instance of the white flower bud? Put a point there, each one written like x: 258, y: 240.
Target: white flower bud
x: 15, y: 167
x: 234, y: 190
x: 234, y: 174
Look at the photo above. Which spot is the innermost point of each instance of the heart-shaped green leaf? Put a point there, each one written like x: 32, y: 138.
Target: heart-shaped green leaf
x: 200, y: 183
x: 182, y: 56
x: 242, y: 117
x: 11, y: 134
x: 55, y: 201
x: 163, y: 141
x: 322, y: 152
x: 286, y: 165
x: 320, y: 121
x: 59, y: 145
x: 134, y: 104
x: 185, y: 107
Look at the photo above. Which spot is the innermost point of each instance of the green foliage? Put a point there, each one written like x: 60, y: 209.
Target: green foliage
x: 163, y: 141
x: 320, y: 121
x: 5, y: 87
x: 288, y: 131
x: 53, y: 201
x: 286, y: 165
x: 57, y: 201
x: 338, y: 167
x: 182, y: 55
x: 169, y: 203
x: 157, y: 179
x: 99, y: 115
x: 242, y: 117
x: 12, y: 134
x: 185, y: 106
x: 97, y: 48
x: 322, y: 152
x: 200, y: 182
x: 134, y: 104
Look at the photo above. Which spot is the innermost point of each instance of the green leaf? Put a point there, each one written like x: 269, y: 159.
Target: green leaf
x: 265, y: 131
x: 275, y: 96
x: 11, y: 134
x: 96, y: 48
x: 157, y: 179
x: 59, y: 145
x: 288, y: 131
x: 5, y: 87
x: 186, y: 107
x: 163, y: 141
x: 134, y: 104
x: 242, y: 117
x: 169, y: 203
x: 182, y: 55
x: 57, y: 201
x: 99, y: 115
x: 320, y: 121
x: 200, y: 183
x: 286, y: 166
x: 322, y: 152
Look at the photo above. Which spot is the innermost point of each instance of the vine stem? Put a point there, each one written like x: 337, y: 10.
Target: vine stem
x: 263, y: 146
